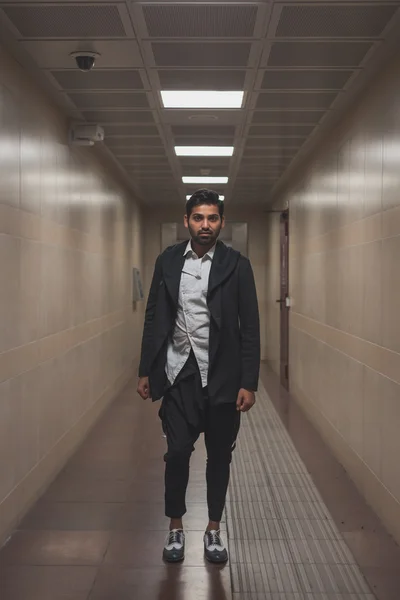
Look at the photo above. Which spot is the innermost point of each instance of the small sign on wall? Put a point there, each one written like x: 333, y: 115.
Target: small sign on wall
x: 137, y: 287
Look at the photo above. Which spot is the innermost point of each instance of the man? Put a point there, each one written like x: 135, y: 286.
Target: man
x: 201, y: 353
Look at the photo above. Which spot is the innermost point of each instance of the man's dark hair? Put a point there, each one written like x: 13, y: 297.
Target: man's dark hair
x: 204, y: 197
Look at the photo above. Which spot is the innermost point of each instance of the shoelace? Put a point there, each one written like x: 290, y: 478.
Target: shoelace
x: 214, y: 538
x: 175, y: 537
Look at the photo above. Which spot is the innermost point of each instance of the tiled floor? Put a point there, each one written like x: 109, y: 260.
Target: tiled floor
x: 97, y: 533
x: 99, y: 530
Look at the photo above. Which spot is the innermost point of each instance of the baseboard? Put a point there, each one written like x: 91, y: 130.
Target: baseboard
x: 380, y: 499
x: 14, y: 507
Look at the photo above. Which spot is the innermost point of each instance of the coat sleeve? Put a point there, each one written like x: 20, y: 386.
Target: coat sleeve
x: 249, y: 326
x: 148, y: 329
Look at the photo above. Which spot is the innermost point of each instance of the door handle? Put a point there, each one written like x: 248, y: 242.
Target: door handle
x: 284, y: 302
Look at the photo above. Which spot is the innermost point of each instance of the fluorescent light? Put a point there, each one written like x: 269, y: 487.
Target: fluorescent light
x: 204, y: 150
x: 190, y: 195
x: 205, y: 179
x: 201, y: 99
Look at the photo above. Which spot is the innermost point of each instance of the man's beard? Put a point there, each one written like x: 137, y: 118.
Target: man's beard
x: 208, y: 240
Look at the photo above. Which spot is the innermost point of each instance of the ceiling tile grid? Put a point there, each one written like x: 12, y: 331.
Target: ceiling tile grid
x: 61, y: 20
x: 206, y: 79
x: 99, y: 80
x: 204, y: 21
x: 295, y: 61
x: 109, y: 100
x: 340, y: 21
x: 200, y: 54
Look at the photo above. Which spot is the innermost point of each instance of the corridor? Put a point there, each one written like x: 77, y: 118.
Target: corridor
x: 113, y: 115
x: 98, y: 532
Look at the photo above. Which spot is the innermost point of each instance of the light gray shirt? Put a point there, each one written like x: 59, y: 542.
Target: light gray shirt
x: 192, y: 326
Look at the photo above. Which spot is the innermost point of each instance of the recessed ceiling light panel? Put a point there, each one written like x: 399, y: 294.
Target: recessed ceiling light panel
x: 201, y: 99
x: 215, y: 180
x: 204, y: 150
x: 190, y: 195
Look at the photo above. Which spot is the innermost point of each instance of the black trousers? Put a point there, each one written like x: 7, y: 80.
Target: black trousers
x: 186, y: 413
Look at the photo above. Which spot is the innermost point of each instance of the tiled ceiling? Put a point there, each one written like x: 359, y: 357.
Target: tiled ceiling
x: 294, y: 60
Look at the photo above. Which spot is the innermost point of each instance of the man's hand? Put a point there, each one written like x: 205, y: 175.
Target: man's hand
x: 245, y: 400
x: 143, y: 388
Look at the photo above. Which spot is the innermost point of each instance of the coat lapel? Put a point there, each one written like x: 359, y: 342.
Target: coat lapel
x: 224, y: 262
x: 172, y: 270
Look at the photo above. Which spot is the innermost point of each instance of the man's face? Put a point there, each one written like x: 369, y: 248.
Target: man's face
x: 204, y: 224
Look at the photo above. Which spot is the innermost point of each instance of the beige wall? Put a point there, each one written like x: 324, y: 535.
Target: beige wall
x: 257, y: 249
x: 69, y: 236
x: 345, y: 288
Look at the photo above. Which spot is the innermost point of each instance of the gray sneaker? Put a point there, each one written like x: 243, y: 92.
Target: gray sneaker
x: 214, y: 548
x: 174, y: 549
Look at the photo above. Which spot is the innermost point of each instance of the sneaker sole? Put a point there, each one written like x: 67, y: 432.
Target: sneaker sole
x: 215, y: 560
x: 173, y: 560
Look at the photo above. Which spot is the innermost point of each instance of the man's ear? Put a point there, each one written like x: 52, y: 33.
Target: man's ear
x: 222, y: 222
x: 186, y: 221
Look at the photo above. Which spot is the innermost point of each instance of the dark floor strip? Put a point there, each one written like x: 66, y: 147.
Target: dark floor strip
x: 373, y: 549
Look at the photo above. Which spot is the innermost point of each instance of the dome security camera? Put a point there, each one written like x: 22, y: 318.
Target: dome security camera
x: 85, y: 60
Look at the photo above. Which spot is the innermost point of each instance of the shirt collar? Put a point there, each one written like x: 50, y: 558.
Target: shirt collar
x: 189, y: 250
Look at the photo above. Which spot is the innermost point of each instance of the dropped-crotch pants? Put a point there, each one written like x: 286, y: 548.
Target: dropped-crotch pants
x: 186, y: 413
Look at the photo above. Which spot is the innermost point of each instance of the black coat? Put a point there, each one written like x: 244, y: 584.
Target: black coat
x: 234, y: 349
